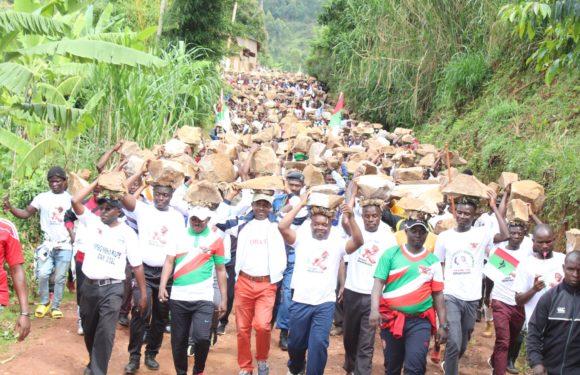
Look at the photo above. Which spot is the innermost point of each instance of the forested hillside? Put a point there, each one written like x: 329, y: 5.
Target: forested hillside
x: 498, y: 80
x: 291, y: 27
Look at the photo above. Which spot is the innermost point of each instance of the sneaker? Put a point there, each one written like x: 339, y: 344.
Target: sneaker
x: 443, y: 367
x: 511, y: 368
x: 488, y: 330
x: 168, y: 328
x: 221, y: 329
x: 245, y: 372
x: 80, y: 331
x: 190, y: 350
x: 124, y: 320
x: 283, y: 343
x: 263, y: 368
x: 132, y: 366
x: 336, y: 331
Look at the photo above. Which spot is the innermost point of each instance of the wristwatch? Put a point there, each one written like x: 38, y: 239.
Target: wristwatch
x: 25, y: 314
x: 445, y: 326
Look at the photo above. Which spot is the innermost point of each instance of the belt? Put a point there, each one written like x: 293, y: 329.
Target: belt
x: 254, y: 278
x: 103, y: 282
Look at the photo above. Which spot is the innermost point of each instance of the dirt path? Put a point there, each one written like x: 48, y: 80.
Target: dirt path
x: 53, y: 347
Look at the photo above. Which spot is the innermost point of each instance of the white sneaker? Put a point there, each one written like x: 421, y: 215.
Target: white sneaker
x: 80, y: 331
x: 263, y: 368
x: 245, y: 372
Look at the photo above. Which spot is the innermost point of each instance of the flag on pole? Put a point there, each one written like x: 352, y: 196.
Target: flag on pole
x: 500, y: 265
x: 336, y: 118
x: 223, y: 115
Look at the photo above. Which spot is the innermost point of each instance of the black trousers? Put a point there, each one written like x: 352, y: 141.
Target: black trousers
x: 99, y: 313
x: 156, y: 316
x: 80, y: 279
x: 231, y: 272
x: 186, y: 314
x: 358, y: 336
x: 128, y: 291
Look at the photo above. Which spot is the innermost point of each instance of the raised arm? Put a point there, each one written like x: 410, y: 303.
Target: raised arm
x: 503, y: 234
x: 129, y: 200
x: 18, y: 212
x: 78, y: 199
x: 106, y: 156
x: 289, y: 234
x: 356, y: 238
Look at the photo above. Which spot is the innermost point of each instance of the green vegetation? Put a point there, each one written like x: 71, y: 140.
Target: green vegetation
x: 291, y: 26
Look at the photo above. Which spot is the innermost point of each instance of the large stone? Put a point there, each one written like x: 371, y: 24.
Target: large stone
x: 529, y: 191
x: 409, y: 174
x: 507, y: 178
x: 573, y: 240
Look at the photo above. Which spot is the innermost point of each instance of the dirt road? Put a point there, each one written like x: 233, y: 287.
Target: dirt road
x: 53, y: 347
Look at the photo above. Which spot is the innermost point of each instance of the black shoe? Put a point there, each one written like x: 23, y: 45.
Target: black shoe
x: 283, y: 344
x: 151, y: 363
x: 124, y: 320
x: 221, y: 329
x: 132, y: 366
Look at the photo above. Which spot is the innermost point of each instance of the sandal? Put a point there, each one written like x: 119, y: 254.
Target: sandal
x: 42, y: 310
x: 56, y: 314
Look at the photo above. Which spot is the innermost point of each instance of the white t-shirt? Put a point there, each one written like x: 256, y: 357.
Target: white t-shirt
x: 490, y: 223
x: 363, y: 262
x: 316, y: 267
x: 503, y: 289
x: 107, y: 249
x: 551, y: 271
x: 463, y: 254
x: 256, y: 263
x: 158, y: 232
x: 52, y: 208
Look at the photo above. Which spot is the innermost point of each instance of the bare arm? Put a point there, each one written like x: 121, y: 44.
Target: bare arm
x: 165, y: 274
x: 341, y: 280
x: 140, y: 277
x: 245, y: 171
x: 523, y: 298
x: 19, y: 283
x: 356, y: 238
x: 439, y: 305
x: 223, y: 286
x: 128, y: 200
x: 77, y: 200
x: 503, y: 234
x: 106, y: 156
x: 18, y: 212
x: 289, y: 234
x: 375, y: 299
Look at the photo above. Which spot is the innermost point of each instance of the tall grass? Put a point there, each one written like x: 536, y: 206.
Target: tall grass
x: 148, y: 105
x: 387, y: 56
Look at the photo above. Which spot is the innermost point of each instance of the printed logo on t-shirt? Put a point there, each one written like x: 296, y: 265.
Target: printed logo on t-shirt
x: 462, y: 263
x: 107, y: 255
x: 368, y: 256
x: 317, y: 264
x: 57, y: 216
x: 158, y: 238
x: 553, y: 280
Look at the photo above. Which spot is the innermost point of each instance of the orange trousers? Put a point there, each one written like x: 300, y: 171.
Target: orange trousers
x: 253, y: 303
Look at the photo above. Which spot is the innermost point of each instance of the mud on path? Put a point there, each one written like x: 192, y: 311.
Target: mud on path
x: 54, y: 347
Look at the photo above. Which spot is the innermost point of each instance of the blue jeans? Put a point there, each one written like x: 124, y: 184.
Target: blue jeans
x: 410, y: 350
x: 309, y: 329
x: 283, y: 314
x: 59, y: 262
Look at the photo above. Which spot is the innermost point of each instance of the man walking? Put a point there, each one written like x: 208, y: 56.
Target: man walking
x: 55, y: 252
x: 553, y: 331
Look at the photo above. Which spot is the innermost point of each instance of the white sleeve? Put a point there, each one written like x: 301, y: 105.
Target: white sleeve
x: 36, y: 201
x: 522, y: 280
x: 440, y: 250
x: 132, y: 243
x: 89, y: 219
x: 339, y: 179
x: 140, y: 210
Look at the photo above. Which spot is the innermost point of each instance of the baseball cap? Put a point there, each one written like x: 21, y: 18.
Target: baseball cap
x: 263, y: 195
x: 112, y: 202
x: 200, y: 212
x: 56, y: 172
x: 410, y: 223
x: 295, y: 175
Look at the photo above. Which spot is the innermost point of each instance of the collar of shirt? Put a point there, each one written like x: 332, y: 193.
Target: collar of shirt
x: 203, y: 233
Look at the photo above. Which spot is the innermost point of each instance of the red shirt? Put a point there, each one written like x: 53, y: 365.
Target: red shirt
x: 11, y: 252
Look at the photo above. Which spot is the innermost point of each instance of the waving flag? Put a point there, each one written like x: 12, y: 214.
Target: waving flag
x: 223, y: 115
x: 500, y: 265
x: 336, y: 118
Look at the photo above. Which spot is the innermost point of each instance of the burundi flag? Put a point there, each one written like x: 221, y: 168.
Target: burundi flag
x: 223, y: 114
x: 336, y: 118
x: 500, y: 265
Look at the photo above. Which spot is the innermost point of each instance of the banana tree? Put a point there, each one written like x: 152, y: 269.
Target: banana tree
x: 48, y: 50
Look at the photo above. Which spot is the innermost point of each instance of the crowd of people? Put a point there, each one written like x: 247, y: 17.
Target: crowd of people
x: 295, y: 216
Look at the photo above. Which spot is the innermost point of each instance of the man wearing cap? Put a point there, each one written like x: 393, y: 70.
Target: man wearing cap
x: 159, y: 227
x: 406, y: 295
x: 55, y: 252
x: 462, y: 251
x: 109, y: 244
x: 318, y: 255
x: 199, y: 251
x: 260, y: 264
x: 358, y: 335
x: 281, y: 205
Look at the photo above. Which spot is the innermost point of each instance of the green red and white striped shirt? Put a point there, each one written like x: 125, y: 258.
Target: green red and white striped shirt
x: 410, y: 280
x: 195, y: 260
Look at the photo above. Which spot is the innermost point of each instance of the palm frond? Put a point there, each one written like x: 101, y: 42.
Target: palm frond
x: 29, y: 23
